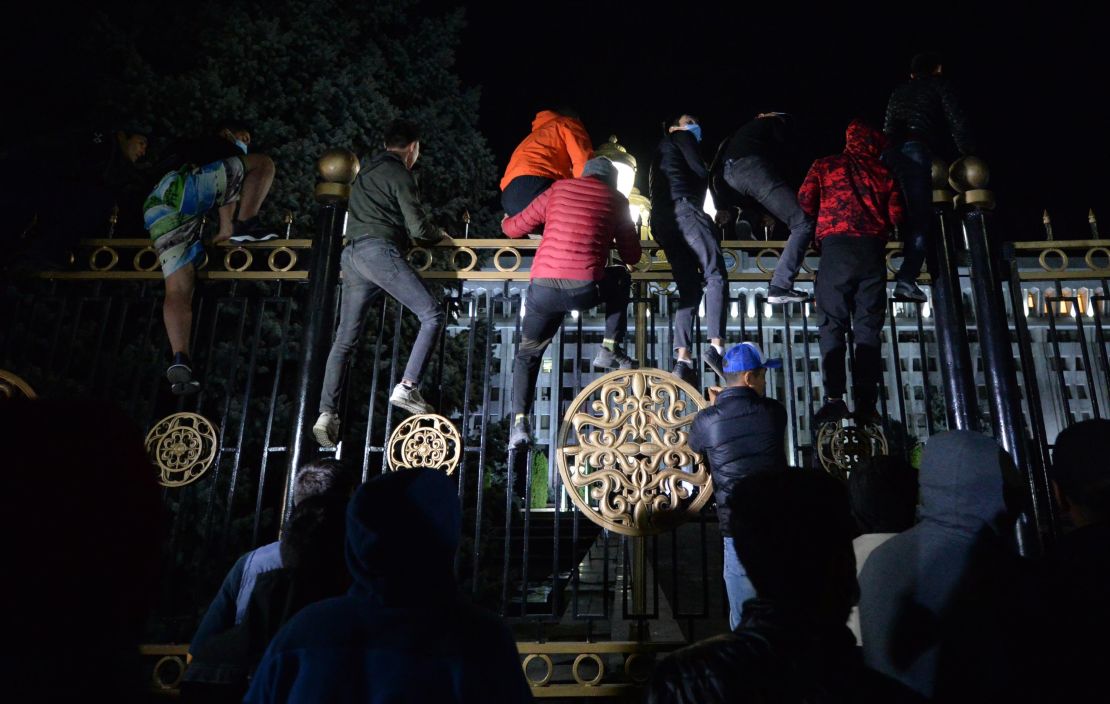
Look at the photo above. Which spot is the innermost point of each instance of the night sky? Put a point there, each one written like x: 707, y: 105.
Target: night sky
x: 1034, y: 83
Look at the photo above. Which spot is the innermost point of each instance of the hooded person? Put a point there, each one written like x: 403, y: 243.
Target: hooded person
x: 402, y: 632
x: 558, y: 147
x: 855, y: 202
x: 584, y: 219
x: 941, y: 604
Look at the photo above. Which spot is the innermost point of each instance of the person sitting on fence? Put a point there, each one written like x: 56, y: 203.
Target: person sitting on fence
x: 384, y: 218
x: 742, y: 432
x: 792, y: 530
x: 323, y: 477
x: 856, y: 203
x: 583, y: 218
x: 196, y: 176
x: 883, y: 493
x: 402, y: 632
x: 943, y: 606
x: 754, y: 160
x: 1077, y: 568
x: 312, y: 569
x: 678, y: 180
x: 558, y: 147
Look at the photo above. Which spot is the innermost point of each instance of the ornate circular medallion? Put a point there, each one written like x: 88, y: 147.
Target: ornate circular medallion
x: 13, y: 386
x: 626, y: 463
x: 183, y: 446
x: 426, y: 440
x: 843, y: 448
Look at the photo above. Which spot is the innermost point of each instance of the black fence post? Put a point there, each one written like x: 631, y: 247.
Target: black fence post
x: 975, y: 203
x: 338, y: 168
x: 951, y: 327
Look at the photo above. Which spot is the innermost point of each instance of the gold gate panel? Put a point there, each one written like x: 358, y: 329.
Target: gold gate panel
x: 625, y: 462
x: 425, y: 440
x: 183, y: 446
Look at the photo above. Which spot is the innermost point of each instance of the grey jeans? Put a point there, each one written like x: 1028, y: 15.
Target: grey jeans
x: 370, y: 266
x: 757, y: 178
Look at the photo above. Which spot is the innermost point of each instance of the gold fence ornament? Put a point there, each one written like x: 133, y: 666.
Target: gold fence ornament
x: 626, y: 464
x: 843, y: 448
x: 13, y: 386
x: 183, y: 446
x: 425, y: 440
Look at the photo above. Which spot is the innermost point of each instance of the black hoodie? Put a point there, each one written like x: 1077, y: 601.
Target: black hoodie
x: 402, y: 633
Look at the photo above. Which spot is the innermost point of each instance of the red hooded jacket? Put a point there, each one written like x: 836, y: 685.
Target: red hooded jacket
x: 582, y: 216
x: 853, y: 193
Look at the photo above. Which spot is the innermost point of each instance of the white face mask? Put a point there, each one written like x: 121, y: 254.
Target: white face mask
x: 242, y: 145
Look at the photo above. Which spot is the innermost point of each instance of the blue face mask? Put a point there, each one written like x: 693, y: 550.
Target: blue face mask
x: 695, y: 130
x: 243, y: 145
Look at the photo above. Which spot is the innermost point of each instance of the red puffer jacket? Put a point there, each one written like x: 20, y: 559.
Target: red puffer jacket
x: 853, y: 193
x: 582, y: 217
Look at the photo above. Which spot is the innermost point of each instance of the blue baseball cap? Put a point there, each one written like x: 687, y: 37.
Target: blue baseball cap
x: 746, y: 357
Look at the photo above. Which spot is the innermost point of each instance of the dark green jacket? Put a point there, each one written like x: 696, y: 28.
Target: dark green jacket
x: 385, y: 203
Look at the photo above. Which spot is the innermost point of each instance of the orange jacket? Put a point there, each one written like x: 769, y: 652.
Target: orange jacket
x: 557, y: 148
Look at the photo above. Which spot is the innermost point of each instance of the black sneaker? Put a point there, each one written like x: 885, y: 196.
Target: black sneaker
x: 180, y: 376
x: 686, y: 373
x: 520, y: 435
x: 908, y: 291
x: 251, y: 230
x: 776, y: 295
x: 714, y: 361
x: 831, y: 412
x: 613, y: 359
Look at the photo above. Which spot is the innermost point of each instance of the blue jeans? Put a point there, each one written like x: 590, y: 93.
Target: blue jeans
x: 912, y: 165
x: 737, y: 584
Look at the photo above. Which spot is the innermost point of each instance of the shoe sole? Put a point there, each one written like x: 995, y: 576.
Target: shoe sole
x: 412, y: 407
x: 321, y: 435
x: 184, y: 388
x: 909, y: 299
x: 179, y: 374
x: 252, y: 238
x: 634, y: 365
x: 714, y: 368
x: 779, y: 300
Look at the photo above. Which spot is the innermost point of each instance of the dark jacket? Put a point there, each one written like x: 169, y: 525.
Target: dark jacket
x: 926, y: 109
x: 940, y: 604
x: 678, y: 171
x: 773, y: 656
x: 767, y: 137
x: 402, y: 632
x: 853, y: 193
x: 742, y: 433
x: 385, y: 203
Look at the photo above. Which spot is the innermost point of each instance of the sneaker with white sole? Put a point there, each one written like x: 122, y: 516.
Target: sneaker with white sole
x: 180, y: 376
x: 613, y: 359
x: 520, y: 435
x: 409, y: 399
x: 326, y: 430
x: 251, y: 230
x: 778, y: 296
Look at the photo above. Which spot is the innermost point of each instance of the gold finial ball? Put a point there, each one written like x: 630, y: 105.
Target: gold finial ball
x: 338, y: 165
x: 969, y: 173
x: 940, y: 174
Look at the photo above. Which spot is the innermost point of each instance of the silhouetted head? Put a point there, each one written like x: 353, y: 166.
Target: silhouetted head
x: 883, y: 494
x: 1080, y: 471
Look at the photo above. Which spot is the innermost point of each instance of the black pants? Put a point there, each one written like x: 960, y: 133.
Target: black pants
x: 544, y: 311
x: 851, y: 292
x: 521, y: 191
x: 690, y: 242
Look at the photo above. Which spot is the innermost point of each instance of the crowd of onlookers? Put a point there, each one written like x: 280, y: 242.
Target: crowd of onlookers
x: 357, y: 601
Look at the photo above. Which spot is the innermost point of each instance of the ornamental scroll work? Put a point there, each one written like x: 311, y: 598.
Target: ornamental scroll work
x: 626, y: 462
x: 13, y: 386
x: 425, y: 440
x: 843, y: 448
x: 183, y: 446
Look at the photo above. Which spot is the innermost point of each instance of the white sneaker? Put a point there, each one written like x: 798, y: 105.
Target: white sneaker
x: 410, y: 400
x: 326, y: 430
